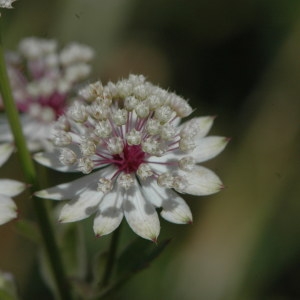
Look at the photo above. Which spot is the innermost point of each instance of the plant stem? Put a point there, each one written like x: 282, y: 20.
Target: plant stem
x: 111, y: 257
x: 29, y: 172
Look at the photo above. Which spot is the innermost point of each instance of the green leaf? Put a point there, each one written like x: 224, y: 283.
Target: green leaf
x: 138, y: 255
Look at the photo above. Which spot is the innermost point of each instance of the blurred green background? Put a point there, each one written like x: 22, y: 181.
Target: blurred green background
x: 239, y: 60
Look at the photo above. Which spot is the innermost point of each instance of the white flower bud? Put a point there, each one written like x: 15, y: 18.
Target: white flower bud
x: 167, y: 132
x: 130, y: 103
x: 187, y: 144
x: 115, y: 145
x: 186, y: 163
x: 165, y: 180
x: 163, y: 113
x: 87, y: 147
x: 154, y: 102
x: 140, y: 91
x: 126, y: 181
x: 62, y: 124
x: 134, y: 137
x: 120, y: 117
x: 153, y: 126
x: 98, y: 110
x: 179, y: 105
x: 124, y: 88
x: 150, y: 145
x: 103, y: 129
x: 61, y: 138
x: 67, y: 157
x: 85, y: 165
x: 144, y: 171
x: 179, y: 183
x: 77, y: 112
x: 92, y: 91
x: 142, y: 110
x: 105, y: 185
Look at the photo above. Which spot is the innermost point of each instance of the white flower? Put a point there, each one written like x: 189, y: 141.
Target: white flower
x: 43, y: 79
x: 140, y: 154
x: 8, y: 208
x: 6, y: 3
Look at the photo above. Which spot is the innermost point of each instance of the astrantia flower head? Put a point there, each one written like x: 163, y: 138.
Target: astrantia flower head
x: 8, y: 208
x: 6, y: 3
x: 129, y: 138
x: 43, y: 79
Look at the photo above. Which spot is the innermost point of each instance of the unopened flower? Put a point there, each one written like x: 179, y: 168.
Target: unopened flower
x: 137, y: 154
x: 43, y: 79
x: 8, y: 208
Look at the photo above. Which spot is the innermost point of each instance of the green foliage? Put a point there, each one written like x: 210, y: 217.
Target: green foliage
x: 138, y: 256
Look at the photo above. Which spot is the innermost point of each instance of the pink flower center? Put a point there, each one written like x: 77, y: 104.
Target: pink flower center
x: 130, y: 159
x: 56, y: 101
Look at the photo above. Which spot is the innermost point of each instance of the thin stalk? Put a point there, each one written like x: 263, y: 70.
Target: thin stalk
x: 111, y: 257
x: 29, y: 172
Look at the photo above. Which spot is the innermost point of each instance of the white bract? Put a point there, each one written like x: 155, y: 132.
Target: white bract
x: 8, y: 208
x: 128, y: 139
x: 43, y: 79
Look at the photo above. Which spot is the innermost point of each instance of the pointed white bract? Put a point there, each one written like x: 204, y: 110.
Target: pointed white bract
x: 5, y: 152
x: 8, y: 208
x: 129, y: 136
x: 110, y: 213
x: 140, y: 214
x: 43, y: 80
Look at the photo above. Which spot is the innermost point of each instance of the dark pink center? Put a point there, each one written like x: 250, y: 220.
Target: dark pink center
x: 56, y: 101
x: 130, y: 159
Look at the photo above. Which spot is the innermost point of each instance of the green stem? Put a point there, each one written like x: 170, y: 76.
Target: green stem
x: 27, y: 166
x: 111, y: 257
x: 107, y: 292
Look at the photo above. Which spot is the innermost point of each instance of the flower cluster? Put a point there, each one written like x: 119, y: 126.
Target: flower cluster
x: 6, y: 4
x: 128, y: 137
x: 42, y: 80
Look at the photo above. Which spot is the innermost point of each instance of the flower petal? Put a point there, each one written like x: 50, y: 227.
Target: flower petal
x: 71, y: 189
x: 5, y: 152
x: 200, y: 126
x: 175, y: 209
x: 11, y: 188
x: 162, y: 164
x: 110, y: 214
x: 8, y: 209
x: 202, y: 181
x: 5, y: 132
x: 209, y: 147
x: 85, y: 204
x: 51, y: 160
x: 140, y: 214
x: 153, y: 192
